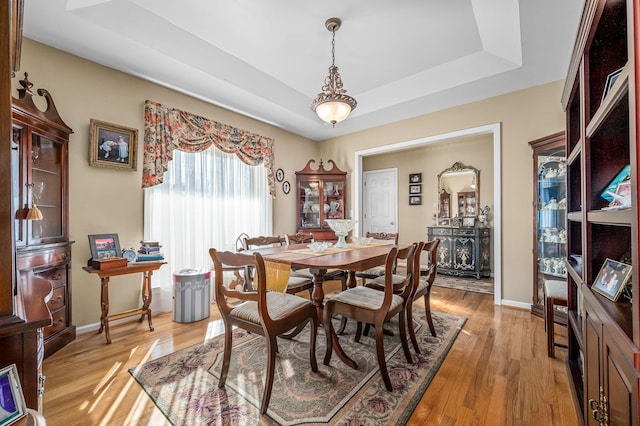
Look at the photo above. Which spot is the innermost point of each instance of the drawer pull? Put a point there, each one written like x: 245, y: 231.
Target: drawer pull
x: 57, y: 277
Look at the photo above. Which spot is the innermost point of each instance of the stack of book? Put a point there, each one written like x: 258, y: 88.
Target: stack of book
x: 150, y: 250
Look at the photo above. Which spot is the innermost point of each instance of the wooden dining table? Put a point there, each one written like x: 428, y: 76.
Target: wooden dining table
x: 353, y: 259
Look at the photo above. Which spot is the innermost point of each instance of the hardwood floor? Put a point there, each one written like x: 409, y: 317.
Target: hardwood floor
x: 497, y: 372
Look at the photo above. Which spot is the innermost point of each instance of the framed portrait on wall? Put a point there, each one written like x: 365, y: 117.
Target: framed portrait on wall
x: 112, y: 146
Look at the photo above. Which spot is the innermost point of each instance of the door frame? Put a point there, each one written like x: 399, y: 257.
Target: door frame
x: 395, y: 213
x: 492, y: 129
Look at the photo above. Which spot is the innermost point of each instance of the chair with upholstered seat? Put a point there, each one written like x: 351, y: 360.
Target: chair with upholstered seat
x: 371, y: 306
x: 555, y: 294
x: 330, y: 275
x: 422, y: 288
x: 297, y: 282
x: 412, y: 259
x: 261, y: 311
x: 378, y: 270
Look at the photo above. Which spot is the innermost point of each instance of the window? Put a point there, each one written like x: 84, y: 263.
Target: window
x: 207, y: 200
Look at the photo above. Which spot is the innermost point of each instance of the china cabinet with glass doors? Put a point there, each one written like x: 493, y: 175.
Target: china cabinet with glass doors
x: 320, y: 195
x: 549, y: 215
x: 40, y: 203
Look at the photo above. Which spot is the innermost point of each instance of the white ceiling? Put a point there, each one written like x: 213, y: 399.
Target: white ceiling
x: 269, y: 59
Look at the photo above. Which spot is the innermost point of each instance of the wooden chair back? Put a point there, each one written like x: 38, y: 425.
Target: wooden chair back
x: 256, y: 242
x: 384, y: 236
x: 431, y: 247
x: 299, y: 238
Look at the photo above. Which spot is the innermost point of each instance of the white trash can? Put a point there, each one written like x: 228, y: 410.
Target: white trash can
x: 191, y: 295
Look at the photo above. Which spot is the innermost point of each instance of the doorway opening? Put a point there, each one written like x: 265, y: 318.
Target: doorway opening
x: 491, y: 129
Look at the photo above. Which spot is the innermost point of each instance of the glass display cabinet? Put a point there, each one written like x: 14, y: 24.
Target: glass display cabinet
x: 550, y: 215
x: 40, y: 181
x: 466, y: 203
x: 320, y: 196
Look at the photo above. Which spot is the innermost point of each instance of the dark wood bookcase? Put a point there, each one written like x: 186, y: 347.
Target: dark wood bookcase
x: 602, y: 110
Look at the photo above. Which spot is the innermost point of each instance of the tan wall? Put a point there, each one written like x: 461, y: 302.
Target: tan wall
x: 524, y: 116
x: 111, y: 201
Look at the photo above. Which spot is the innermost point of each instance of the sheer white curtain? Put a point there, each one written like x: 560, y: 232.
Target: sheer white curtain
x: 207, y: 200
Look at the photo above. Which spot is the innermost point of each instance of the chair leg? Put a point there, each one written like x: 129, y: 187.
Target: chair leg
x: 427, y: 309
x: 403, y: 336
x: 358, y: 332
x: 412, y: 332
x: 271, y: 367
x: 312, y: 343
x: 381, y: 361
x: 549, y: 322
x: 328, y: 329
x: 226, y: 359
x: 343, y: 325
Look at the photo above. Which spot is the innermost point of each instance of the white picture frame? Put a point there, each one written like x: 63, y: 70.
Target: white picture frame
x: 12, y: 405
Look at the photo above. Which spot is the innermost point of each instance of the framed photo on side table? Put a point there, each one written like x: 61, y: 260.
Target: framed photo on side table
x: 104, y: 246
x: 612, y: 279
x: 112, y: 146
x: 12, y: 405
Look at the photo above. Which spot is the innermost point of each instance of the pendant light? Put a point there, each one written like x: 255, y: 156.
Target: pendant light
x: 332, y: 105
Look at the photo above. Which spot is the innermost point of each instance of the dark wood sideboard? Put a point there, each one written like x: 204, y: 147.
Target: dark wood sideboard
x: 463, y: 252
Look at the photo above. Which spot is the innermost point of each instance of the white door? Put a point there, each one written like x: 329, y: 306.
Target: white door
x: 380, y: 201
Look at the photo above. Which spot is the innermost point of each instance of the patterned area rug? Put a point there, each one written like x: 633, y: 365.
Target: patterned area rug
x: 483, y: 285
x: 184, y: 384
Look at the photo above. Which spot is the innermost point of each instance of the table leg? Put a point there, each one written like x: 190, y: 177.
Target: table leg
x: 104, y: 306
x: 317, y: 295
x: 351, y: 282
x: 146, y: 298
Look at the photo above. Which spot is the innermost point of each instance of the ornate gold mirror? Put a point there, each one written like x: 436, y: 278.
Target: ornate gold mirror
x: 459, y: 191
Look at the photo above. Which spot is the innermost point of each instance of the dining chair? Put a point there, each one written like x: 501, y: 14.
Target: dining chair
x: 412, y: 270
x: 261, y: 311
x: 330, y: 275
x: 423, y: 285
x: 370, y: 306
x: 378, y: 270
x: 297, y: 282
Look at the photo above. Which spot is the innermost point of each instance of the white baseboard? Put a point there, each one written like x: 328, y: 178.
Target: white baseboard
x: 514, y: 304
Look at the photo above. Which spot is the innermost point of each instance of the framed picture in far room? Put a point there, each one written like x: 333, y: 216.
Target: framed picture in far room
x: 415, y: 177
x: 415, y: 200
x: 415, y: 189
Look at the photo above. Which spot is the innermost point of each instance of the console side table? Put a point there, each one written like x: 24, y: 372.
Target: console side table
x: 147, y: 269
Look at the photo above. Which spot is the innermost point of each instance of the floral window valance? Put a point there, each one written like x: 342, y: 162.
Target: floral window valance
x: 166, y: 129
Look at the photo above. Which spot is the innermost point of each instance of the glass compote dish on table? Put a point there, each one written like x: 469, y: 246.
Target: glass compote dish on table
x: 341, y: 227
